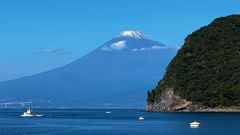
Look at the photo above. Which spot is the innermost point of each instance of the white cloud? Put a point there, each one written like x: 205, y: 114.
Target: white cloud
x: 155, y: 47
x: 119, y: 45
x: 115, y: 46
x: 139, y: 49
x: 51, y: 51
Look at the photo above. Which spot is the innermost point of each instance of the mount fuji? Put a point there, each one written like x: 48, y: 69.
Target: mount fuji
x: 117, y: 74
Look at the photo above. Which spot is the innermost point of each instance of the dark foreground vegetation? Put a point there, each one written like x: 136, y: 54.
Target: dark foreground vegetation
x: 206, y: 70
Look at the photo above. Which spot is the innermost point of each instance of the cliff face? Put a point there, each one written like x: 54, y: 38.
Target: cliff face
x: 205, y: 74
x: 168, y: 102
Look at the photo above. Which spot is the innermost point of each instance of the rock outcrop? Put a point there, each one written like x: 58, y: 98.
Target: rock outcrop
x: 169, y: 102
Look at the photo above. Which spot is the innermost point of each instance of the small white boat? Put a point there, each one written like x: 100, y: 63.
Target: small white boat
x: 108, y: 112
x: 141, y: 118
x: 195, y: 124
x: 29, y: 113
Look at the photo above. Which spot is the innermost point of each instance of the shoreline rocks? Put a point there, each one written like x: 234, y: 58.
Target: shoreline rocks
x: 169, y: 102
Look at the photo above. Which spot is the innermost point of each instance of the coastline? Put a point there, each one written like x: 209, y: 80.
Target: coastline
x: 196, y: 108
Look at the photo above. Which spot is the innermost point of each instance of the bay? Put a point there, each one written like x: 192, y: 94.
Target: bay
x: 119, y: 122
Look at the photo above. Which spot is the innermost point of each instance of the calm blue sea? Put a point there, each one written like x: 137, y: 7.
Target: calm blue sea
x: 119, y: 122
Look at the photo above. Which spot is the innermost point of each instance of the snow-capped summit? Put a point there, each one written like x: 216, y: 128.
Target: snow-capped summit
x: 131, y: 40
x: 135, y: 34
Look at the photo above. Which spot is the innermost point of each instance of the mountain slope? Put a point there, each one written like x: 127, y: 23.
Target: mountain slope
x: 115, y: 74
x: 205, y: 73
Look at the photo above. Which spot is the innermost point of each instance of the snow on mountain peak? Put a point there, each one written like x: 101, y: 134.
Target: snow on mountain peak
x: 131, y: 40
x: 135, y: 34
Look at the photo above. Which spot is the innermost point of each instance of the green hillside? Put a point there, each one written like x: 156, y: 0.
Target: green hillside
x: 206, y: 70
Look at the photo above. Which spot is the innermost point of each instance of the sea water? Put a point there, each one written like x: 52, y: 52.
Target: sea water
x: 118, y: 122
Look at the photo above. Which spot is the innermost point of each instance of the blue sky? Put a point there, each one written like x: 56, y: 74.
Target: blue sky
x: 38, y: 35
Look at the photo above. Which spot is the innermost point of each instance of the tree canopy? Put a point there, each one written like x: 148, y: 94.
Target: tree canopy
x: 206, y: 70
